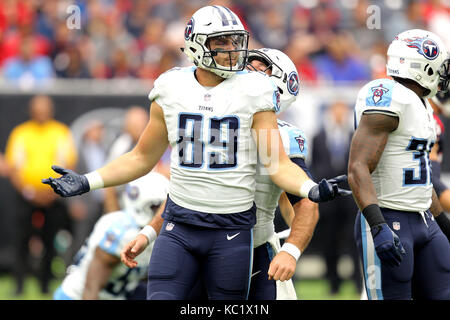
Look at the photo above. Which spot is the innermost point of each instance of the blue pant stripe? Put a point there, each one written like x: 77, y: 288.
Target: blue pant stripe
x: 59, y: 294
x: 364, y: 244
x: 372, y: 262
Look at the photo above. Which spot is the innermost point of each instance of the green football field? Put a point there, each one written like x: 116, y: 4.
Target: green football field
x: 306, y: 290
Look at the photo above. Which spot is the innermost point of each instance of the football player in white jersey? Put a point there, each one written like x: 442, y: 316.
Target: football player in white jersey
x: 97, y: 272
x: 267, y: 258
x: 268, y: 195
x: 404, y: 252
x: 217, y: 117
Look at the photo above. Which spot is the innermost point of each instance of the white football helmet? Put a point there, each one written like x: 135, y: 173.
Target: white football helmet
x: 143, y: 196
x: 421, y: 56
x: 215, y: 21
x: 284, y: 73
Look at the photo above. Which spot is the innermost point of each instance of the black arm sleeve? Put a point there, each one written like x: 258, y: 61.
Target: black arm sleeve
x: 373, y: 215
x: 293, y: 199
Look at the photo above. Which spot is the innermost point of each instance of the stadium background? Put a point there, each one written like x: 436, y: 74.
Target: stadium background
x: 109, y: 63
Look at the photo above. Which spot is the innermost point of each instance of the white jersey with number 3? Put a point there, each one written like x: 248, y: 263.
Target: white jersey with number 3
x: 402, y: 178
x: 213, y: 159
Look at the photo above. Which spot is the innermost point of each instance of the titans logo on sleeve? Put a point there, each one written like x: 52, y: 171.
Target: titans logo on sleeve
x: 276, y: 100
x: 301, y: 142
x: 380, y: 95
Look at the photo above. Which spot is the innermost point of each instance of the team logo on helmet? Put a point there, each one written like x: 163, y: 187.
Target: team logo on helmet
x: 293, y: 83
x: 189, y: 29
x: 425, y: 46
x: 430, y: 49
x: 378, y: 93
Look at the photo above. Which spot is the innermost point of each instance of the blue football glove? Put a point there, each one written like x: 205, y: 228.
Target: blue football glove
x: 387, y: 244
x: 69, y: 184
x: 327, y: 190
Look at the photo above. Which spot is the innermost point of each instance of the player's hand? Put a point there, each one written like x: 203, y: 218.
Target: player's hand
x: 282, y: 267
x: 69, y: 184
x: 132, y: 250
x: 327, y: 190
x: 387, y: 245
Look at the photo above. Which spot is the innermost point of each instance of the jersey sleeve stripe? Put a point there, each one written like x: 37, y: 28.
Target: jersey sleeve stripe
x: 390, y: 113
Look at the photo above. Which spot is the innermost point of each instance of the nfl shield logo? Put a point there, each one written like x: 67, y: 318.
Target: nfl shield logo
x: 396, y: 225
x: 169, y: 226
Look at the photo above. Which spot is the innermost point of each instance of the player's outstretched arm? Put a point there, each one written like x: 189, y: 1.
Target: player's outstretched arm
x: 145, y: 237
x: 128, y: 167
x: 367, y: 146
x: 283, y: 172
x: 306, y: 216
x: 98, y: 273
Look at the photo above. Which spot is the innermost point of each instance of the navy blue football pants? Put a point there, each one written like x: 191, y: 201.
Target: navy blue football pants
x: 424, y: 272
x: 261, y: 288
x: 183, y: 253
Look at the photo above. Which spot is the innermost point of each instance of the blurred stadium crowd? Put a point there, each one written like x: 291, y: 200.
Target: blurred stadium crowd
x: 328, y: 40
x: 331, y: 42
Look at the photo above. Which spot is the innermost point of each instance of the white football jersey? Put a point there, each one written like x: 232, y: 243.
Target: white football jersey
x: 214, y: 156
x: 402, y: 178
x: 268, y: 193
x: 111, y: 233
